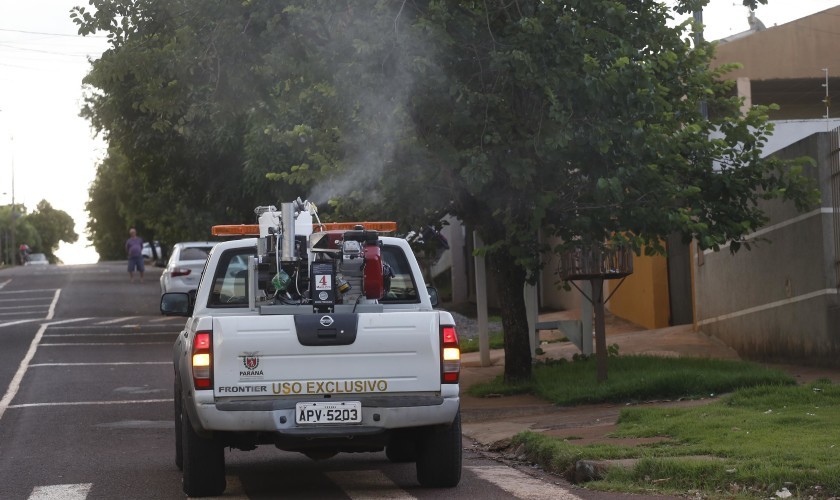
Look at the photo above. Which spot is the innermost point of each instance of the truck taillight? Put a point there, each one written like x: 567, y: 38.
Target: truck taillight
x: 450, y: 355
x: 202, y: 360
x: 180, y: 271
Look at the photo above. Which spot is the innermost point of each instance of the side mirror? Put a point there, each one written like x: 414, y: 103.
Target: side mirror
x: 433, y: 295
x: 175, y: 304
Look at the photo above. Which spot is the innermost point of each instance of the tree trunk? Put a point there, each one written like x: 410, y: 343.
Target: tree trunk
x: 510, y: 282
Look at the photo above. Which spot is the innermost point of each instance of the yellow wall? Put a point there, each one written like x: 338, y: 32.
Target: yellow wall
x: 643, y: 297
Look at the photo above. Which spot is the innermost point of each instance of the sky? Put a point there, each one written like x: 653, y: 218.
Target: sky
x: 51, y: 152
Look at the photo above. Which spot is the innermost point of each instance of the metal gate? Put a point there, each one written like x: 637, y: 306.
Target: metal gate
x: 834, y: 165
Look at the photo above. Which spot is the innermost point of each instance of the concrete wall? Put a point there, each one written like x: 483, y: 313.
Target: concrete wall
x: 779, y: 302
x: 457, y: 259
x: 787, y: 65
x: 551, y: 293
x: 787, y: 132
x: 799, y: 49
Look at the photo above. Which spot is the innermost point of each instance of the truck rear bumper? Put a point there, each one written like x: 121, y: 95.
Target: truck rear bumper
x: 268, y: 416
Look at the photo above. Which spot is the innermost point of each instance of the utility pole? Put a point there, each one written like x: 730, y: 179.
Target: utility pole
x: 11, y: 242
x: 698, y: 39
x: 827, y: 99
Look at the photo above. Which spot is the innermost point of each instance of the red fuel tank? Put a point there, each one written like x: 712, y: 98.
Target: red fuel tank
x: 373, y: 282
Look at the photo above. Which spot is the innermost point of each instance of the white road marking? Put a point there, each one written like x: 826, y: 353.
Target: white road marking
x: 65, y: 321
x: 115, y: 363
x: 99, y: 335
x: 170, y: 319
x: 18, y: 308
x: 99, y: 327
x: 61, y: 492
x: 14, y: 385
x: 91, y: 403
x: 23, y: 299
x: 18, y: 322
x: 52, y: 306
x: 519, y: 484
x: 4, y: 284
x: 82, y: 344
x: 117, y: 320
x: 39, y: 290
x: 362, y: 484
x: 23, y: 313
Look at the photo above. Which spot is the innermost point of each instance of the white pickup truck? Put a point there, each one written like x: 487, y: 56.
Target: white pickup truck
x: 318, y: 339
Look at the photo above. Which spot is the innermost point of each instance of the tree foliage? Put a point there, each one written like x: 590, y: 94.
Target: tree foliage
x: 42, y: 230
x: 171, y: 96
x: 52, y: 227
x: 579, y: 119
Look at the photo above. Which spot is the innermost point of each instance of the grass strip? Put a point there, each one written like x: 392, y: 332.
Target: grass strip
x: 752, y: 443
x: 635, y: 378
x: 497, y: 341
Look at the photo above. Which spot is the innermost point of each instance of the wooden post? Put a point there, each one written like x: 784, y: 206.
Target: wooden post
x: 600, y: 328
x: 586, y: 318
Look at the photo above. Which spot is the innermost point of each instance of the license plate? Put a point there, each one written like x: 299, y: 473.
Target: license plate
x: 345, y: 412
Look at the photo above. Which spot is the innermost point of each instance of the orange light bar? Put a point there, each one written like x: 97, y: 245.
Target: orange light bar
x: 383, y: 227
x: 254, y: 229
x: 236, y: 230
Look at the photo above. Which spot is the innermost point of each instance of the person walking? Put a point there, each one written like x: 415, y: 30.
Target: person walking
x: 134, y: 249
x: 24, y: 253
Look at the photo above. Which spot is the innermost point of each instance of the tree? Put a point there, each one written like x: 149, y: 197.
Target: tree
x: 107, y: 224
x: 579, y: 119
x: 52, y: 226
x: 170, y: 96
x: 24, y: 232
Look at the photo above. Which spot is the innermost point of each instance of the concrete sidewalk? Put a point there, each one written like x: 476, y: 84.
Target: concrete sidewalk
x: 493, y: 421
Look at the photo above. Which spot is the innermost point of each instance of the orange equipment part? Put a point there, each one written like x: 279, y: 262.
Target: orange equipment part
x: 254, y: 229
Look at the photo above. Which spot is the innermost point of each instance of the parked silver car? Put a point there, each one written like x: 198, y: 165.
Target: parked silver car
x: 36, y: 259
x: 186, y: 262
x: 147, y: 251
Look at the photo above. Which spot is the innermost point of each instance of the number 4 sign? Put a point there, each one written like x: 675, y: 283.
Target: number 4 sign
x: 323, y: 282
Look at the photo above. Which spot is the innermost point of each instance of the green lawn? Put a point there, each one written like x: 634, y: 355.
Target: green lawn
x: 636, y: 378
x: 764, y: 434
x: 497, y: 341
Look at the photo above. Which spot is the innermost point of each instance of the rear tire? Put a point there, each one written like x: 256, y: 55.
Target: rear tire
x: 179, y: 451
x: 203, y: 461
x: 439, y: 455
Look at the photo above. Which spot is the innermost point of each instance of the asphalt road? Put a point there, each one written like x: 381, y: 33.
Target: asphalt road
x: 86, y: 408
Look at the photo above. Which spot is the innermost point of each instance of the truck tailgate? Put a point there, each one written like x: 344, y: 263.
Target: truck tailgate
x: 266, y: 356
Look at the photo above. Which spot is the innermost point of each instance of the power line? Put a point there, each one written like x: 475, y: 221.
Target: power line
x: 50, y: 34
x: 11, y: 47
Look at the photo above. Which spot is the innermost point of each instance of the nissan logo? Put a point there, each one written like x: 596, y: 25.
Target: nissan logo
x: 326, y: 320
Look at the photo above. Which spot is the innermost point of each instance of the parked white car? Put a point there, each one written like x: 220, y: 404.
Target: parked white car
x: 183, y: 271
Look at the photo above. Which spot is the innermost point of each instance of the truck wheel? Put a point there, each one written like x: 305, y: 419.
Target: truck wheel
x: 179, y: 452
x: 203, y: 461
x: 401, y: 448
x: 439, y: 455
